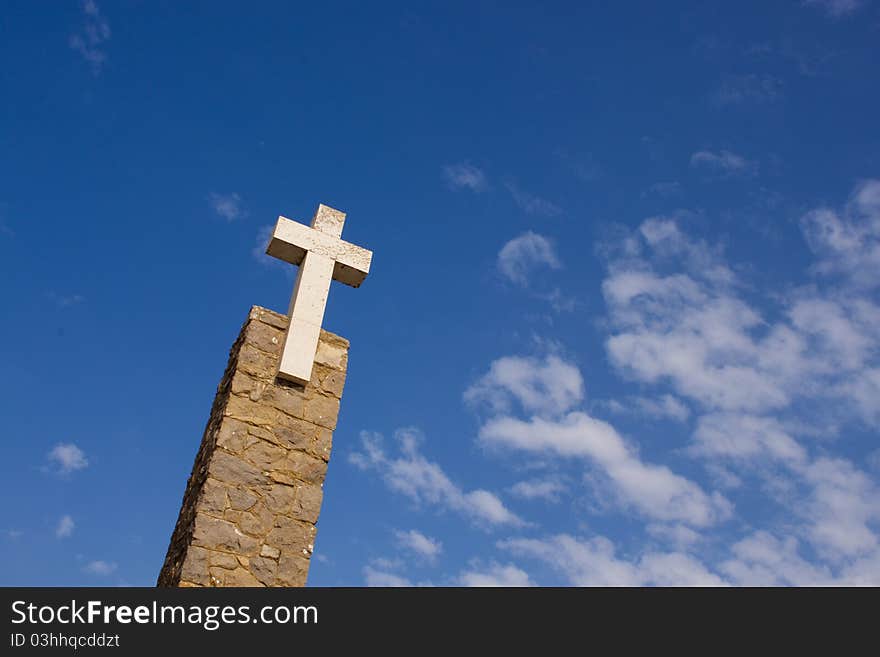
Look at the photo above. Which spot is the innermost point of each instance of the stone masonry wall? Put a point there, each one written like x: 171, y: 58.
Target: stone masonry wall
x: 252, y: 501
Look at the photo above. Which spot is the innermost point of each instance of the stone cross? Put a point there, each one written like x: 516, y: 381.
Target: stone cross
x: 321, y: 255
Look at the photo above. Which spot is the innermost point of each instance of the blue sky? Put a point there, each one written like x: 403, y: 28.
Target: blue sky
x: 621, y: 326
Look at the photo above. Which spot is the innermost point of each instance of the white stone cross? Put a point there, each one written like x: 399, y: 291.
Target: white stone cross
x: 321, y: 255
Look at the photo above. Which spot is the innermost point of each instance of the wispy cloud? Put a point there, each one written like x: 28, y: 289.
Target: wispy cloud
x: 89, y: 41
x: 554, y: 428
x: 747, y: 89
x: 425, y: 482
x: 663, y: 407
x: 585, y: 166
x: 594, y: 562
x: 847, y: 241
x: 531, y: 204
x: 66, y: 300
x: 65, y: 527
x: 836, y: 8
x: 665, y: 189
x: 66, y: 458
x: 724, y: 163
x: 547, y: 490
x: 522, y: 255
x: 415, y: 541
x: 547, y: 386
x: 100, y: 568
x: 762, y: 388
x: 227, y: 206
x: 377, y: 577
x: 465, y: 176
x: 494, y: 574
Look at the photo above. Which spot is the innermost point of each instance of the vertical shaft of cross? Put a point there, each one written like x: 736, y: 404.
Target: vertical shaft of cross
x: 306, y: 312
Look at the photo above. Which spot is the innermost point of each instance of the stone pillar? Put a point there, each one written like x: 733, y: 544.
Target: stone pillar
x: 252, y: 501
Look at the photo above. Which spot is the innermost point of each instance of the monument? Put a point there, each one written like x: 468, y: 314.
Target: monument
x: 252, y: 501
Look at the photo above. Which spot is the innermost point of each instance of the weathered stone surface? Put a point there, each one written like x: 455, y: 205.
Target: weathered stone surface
x: 332, y: 355
x: 333, y: 383
x: 270, y: 317
x: 291, y: 535
x: 235, y: 471
x: 232, y: 435
x: 322, y: 410
x: 292, y: 570
x: 258, y: 522
x: 265, y: 455
x: 251, y: 412
x: 254, y: 496
x: 324, y: 443
x: 266, y: 338
x: 261, y: 433
x: 296, y: 434
x: 279, y: 498
x: 213, y: 499
x: 264, y: 570
x: 240, y: 499
x: 257, y: 363
x: 307, y: 503
x: 305, y: 467
x: 269, y: 551
x: 287, y: 400
x: 222, y: 535
x: 195, y: 567
x: 238, y: 577
x: 223, y: 560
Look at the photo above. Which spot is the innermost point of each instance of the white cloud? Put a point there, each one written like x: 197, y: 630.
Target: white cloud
x: 101, y: 568
x: 723, y: 162
x: 424, y: 546
x: 666, y: 406
x: 762, y: 559
x: 548, y: 390
x: 680, y: 536
x: 547, y: 386
x: 653, y: 490
x: 495, y: 575
x: 847, y: 242
x: 836, y: 8
x: 761, y: 386
x: 90, y: 40
x: 258, y: 252
x: 548, y: 490
x: 740, y: 436
x: 531, y: 204
x: 65, y: 527
x: 593, y: 562
x: 67, y: 458
x: 747, y: 89
x: 227, y: 206
x: 692, y: 330
x: 840, y: 510
x: 864, y: 391
x: 465, y: 176
x: 381, y: 578
x: 522, y: 256
x: 424, y: 482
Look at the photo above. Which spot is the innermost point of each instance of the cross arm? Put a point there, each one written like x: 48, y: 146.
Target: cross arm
x: 291, y: 240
